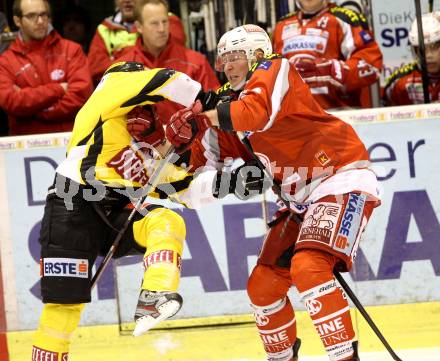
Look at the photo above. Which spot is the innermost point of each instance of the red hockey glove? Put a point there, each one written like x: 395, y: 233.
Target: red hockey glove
x: 144, y: 126
x: 185, y: 125
x: 322, y: 72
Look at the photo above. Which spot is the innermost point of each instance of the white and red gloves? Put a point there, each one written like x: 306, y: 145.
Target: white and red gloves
x: 321, y: 73
x: 185, y: 125
x: 144, y: 126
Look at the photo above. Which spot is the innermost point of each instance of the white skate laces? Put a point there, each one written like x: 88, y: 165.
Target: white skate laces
x: 154, y: 307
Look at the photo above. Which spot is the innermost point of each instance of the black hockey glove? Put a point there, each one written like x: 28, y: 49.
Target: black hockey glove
x: 245, y: 182
x: 209, y: 100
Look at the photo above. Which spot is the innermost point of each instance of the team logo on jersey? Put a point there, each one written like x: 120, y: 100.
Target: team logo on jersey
x: 322, y: 158
x: 64, y: 267
x: 320, y: 223
x: 57, y: 74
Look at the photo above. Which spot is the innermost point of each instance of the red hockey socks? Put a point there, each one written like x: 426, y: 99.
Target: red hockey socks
x: 274, y: 315
x: 312, y: 274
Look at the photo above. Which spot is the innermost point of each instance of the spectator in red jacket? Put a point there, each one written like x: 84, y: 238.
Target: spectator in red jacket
x: 117, y: 32
x: 44, y: 79
x: 5, y: 35
x: 155, y: 49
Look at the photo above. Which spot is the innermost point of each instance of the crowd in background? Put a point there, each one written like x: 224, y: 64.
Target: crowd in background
x: 52, y: 66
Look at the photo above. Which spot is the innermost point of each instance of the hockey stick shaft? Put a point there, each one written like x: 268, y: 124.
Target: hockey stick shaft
x: 151, y: 184
x: 364, y: 313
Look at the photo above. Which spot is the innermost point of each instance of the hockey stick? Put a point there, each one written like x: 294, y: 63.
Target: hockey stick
x: 338, y: 276
x: 151, y: 184
x: 422, y: 54
x: 364, y: 313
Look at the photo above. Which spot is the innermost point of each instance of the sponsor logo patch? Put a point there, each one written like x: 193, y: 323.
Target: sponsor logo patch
x: 313, y: 306
x: 39, y: 354
x: 129, y: 166
x: 332, y: 331
x: 366, y: 37
x: 320, y: 222
x: 64, y: 267
x: 163, y: 256
x: 265, y: 65
x: 350, y: 222
x: 276, y: 341
x: 305, y: 42
x: 260, y: 319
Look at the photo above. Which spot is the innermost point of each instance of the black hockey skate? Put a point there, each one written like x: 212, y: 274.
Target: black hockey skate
x: 154, y: 307
x: 295, y: 349
x: 355, y: 356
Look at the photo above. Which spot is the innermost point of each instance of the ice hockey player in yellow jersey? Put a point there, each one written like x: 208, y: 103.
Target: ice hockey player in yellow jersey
x: 109, y: 159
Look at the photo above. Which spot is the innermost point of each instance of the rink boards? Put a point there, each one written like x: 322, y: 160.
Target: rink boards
x: 398, y: 261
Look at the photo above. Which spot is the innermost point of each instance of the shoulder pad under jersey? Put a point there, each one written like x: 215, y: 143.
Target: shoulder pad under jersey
x: 288, y: 15
x: 401, y: 72
x: 349, y: 16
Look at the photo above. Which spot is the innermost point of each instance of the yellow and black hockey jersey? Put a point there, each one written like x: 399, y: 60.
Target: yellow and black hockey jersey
x: 100, y: 148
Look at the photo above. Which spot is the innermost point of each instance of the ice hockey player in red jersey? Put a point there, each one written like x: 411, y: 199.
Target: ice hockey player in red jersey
x: 333, y: 50
x: 405, y: 85
x: 322, y: 167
